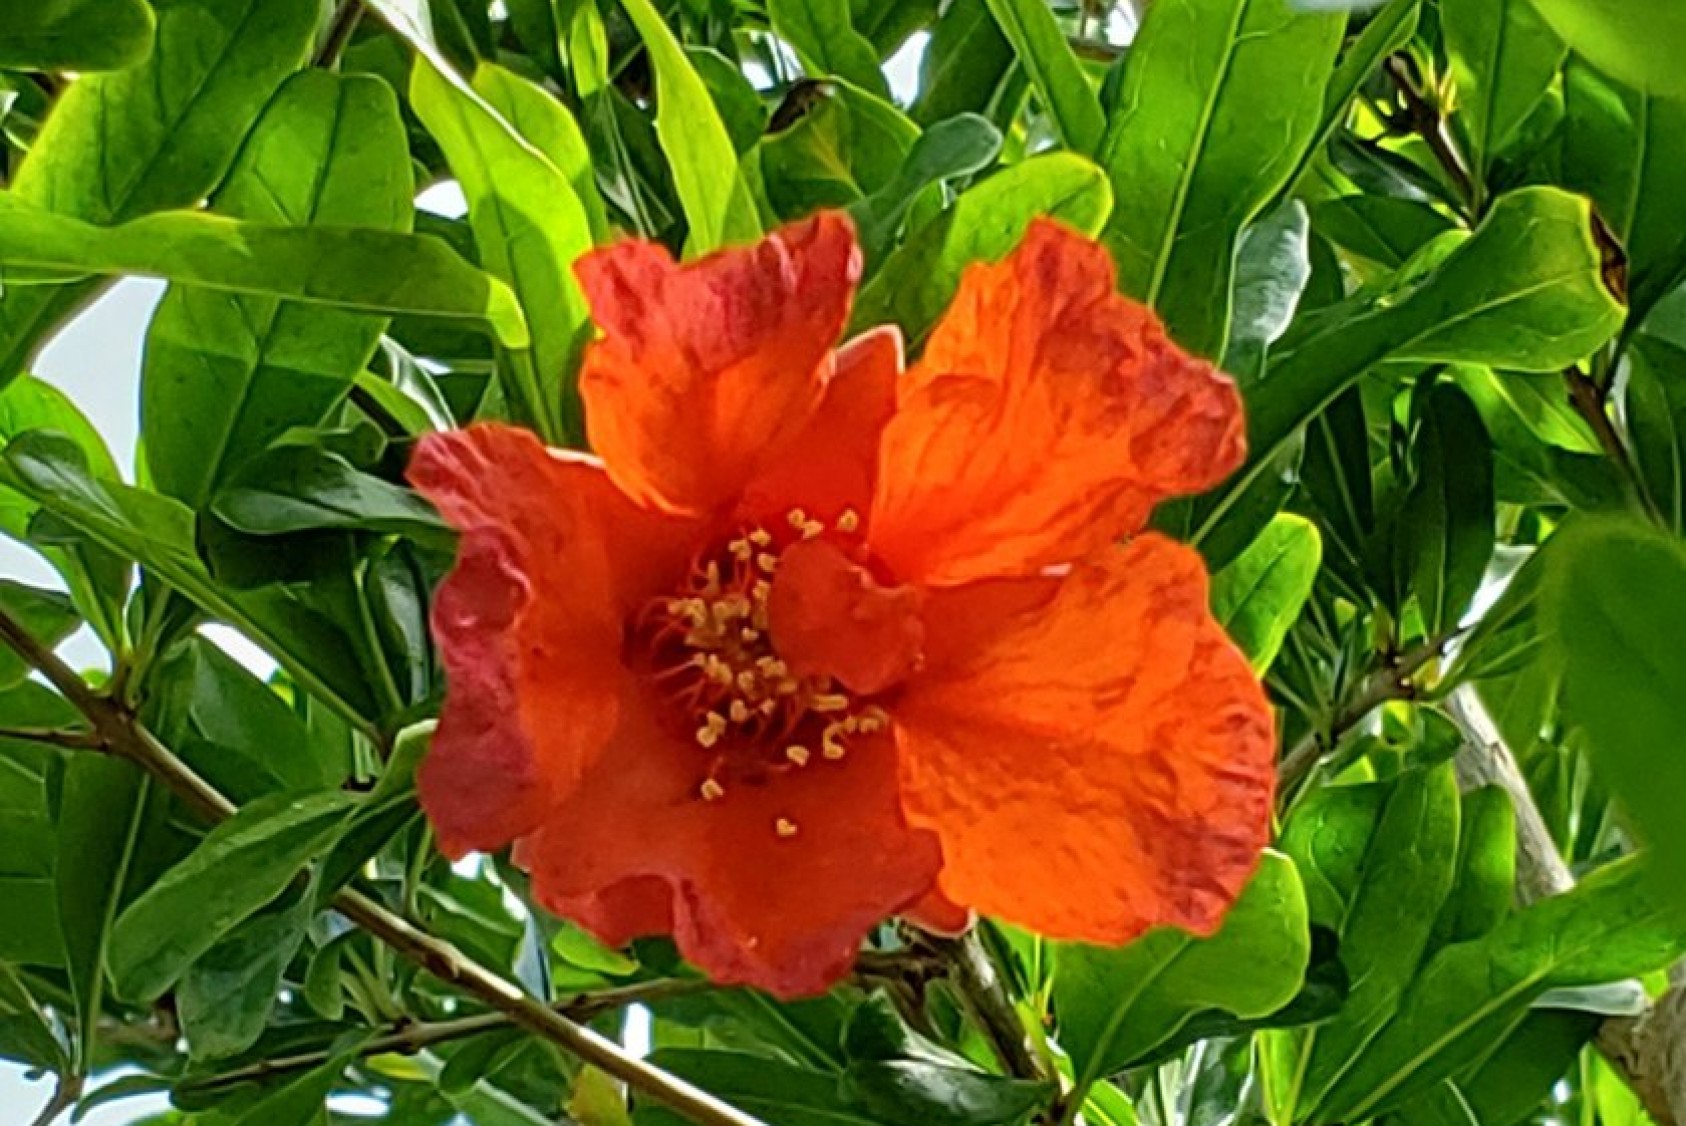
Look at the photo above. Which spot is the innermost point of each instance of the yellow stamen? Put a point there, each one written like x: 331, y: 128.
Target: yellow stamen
x: 798, y: 754
x: 711, y: 790
x: 848, y: 521
x: 785, y: 828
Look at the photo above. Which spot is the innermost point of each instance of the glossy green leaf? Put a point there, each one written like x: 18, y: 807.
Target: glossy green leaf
x: 530, y: 227
x: 46, y: 615
x: 826, y: 42
x: 1194, y: 153
x: 79, y: 35
x: 1054, y: 71
x: 1258, y: 596
x: 1620, y: 147
x: 103, y: 810
x: 1272, y: 268
x: 959, y: 146
x: 26, y: 1031
x: 1655, y: 410
x: 226, y: 374
x: 1504, y: 57
x: 965, y: 65
x: 1607, y: 605
x: 1388, y: 30
x: 1638, y: 41
x: 307, y: 488
x: 1385, y: 862
x: 1525, y: 291
x: 1612, y: 925
x: 1116, y: 1005
x: 361, y: 269
x: 545, y: 123
x: 1486, y: 883
x: 159, y: 533
x: 154, y: 136
x: 97, y: 582
x: 699, y: 151
x: 1446, y: 531
x: 916, y: 282
x: 225, y: 997
x: 240, y: 866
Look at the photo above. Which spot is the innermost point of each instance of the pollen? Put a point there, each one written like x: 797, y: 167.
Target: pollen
x: 849, y: 521
x: 785, y: 828
x: 711, y: 790
x: 798, y: 754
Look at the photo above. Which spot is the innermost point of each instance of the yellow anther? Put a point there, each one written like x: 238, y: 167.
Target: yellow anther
x: 828, y: 702
x: 767, y: 707
x: 761, y: 592
x: 711, y: 575
x: 747, y: 682
x: 798, y: 754
x: 785, y: 828
x: 749, y: 635
x: 874, y: 719
x: 707, y: 736
x: 738, y: 712
x: 760, y: 537
x: 831, y: 743
x: 742, y: 550
x: 797, y: 518
x: 848, y: 521
x: 717, y: 671
x: 711, y: 790
x: 772, y: 668
x: 811, y: 529
x: 767, y: 561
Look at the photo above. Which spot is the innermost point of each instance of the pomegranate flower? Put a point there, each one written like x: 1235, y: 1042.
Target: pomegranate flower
x: 818, y: 641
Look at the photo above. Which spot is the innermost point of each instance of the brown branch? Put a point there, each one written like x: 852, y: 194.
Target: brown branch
x: 984, y: 996
x: 1648, y: 1050
x: 1393, y: 681
x: 54, y: 736
x: 1429, y: 124
x: 123, y: 735
x: 408, y: 1039
x: 346, y: 18
x: 67, y: 1090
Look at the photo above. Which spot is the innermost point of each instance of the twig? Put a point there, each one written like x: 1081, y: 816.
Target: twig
x: 984, y: 996
x: 124, y: 736
x: 1393, y: 681
x: 1648, y: 1050
x: 67, y: 1089
x: 54, y: 736
x: 1588, y: 397
x: 346, y: 18
x: 1430, y: 125
x: 409, y: 1039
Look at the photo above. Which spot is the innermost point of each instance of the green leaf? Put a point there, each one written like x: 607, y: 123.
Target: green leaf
x: 1445, y: 535
x: 225, y: 997
x: 1486, y: 883
x: 917, y: 282
x: 1655, y: 411
x: 47, y: 616
x: 104, y: 807
x: 307, y: 488
x: 1035, y: 34
x: 717, y: 202
x: 1620, y: 146
x: 240, y: 866
x: 958, y: 146
x: 529, y: 225
x: 225, y: 374
x: 155, y: 136
x: 303, y: 1101
x: 364, y: 269
x: 1637, y: 41
x: 25, y: 1029
x: 545, y: 123
x: 1525, y: 291
x: 1388, y: 30
x: 159, y: 533
x: 1392, y: 881
x: 1609, y: 605
x: 1195, y: 153
x: 1115, y: 1006
x: 1612, y: 925
x: 1258, y: 596
x: 826, y: 42
x: 1504, y: 57
x: 1272, y: 268
x: 965, y: 65
x: 78, y: 35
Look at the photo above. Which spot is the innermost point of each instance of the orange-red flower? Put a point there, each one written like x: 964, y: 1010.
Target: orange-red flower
x: 819, y: 641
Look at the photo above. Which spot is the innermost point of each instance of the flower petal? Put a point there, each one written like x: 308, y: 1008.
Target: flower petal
x: 529, y: 625
x: 1048, y: 415
x: 750, y: 906
x: 1100, y: 764
x: 830, y: 468
x: 705, y: 369
x: 830, y: 617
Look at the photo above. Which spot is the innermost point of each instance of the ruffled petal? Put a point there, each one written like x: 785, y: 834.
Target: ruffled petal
x: 783, y: 909
x: 830, y: 617
x: 529, y: 624
x: 1047, y: 417
x: 1097, y: 762
x: 831, y: 467
x: 706, y: 369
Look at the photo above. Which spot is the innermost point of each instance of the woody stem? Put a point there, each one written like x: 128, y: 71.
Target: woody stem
x: 121, y: 734
x: 984, y: 996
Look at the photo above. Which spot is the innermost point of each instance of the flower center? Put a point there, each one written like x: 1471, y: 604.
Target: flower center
x: 749, y: 715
